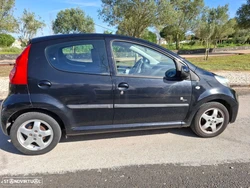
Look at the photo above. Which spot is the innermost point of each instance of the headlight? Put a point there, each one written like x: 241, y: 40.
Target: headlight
x: 224, y: 81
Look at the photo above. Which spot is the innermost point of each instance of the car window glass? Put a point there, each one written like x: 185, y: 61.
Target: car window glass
x: 82, y: 56
x: 132, y: 59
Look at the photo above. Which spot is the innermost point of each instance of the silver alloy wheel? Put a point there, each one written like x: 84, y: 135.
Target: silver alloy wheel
x: 35, y: 135
x: 211, y: 120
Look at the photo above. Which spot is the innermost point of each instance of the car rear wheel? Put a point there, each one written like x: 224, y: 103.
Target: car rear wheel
x: 35, y: 133
x: 210, y: 120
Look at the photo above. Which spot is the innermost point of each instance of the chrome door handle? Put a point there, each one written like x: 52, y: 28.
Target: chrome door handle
x: 44, y: 84
x: 123, y: 86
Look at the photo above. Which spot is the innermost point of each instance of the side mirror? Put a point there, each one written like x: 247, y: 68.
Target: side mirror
x: 185, y: 72
x: 170, y: 74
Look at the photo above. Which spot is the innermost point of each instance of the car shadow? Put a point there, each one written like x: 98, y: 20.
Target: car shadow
x: 6, y: 145
x: 180, y: 131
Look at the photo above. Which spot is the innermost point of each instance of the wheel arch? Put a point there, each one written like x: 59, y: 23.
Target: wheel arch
x: 224, y: 102
x: 14, y: 116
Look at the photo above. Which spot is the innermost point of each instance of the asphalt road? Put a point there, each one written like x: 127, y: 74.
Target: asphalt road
x: 147, y: 176
x: 173, y: 156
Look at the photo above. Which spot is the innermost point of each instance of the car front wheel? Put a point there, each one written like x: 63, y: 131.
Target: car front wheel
x: 211, y: 120
x: 35, y: 133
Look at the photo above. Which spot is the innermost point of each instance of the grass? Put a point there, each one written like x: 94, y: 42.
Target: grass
x: 227, y: 63
x: 199, y: 46
x: 5, y: 70
x: 10, y: 50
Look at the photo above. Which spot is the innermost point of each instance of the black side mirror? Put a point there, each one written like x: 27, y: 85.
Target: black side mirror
x: 185, y: 72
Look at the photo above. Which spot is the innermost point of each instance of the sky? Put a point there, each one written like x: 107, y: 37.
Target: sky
x: 48, y: 9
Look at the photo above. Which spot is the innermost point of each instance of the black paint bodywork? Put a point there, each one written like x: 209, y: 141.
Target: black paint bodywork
x: 66, y: 89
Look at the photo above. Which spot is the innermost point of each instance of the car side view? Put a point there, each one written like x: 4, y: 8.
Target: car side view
x: 95, y: 83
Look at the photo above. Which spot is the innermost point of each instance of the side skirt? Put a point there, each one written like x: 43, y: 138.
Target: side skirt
x: 124, y: 127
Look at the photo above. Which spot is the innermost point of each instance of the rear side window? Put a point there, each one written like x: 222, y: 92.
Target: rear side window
x: 87, y: 56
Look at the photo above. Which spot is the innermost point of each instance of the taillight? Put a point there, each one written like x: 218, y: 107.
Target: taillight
x: 18, y: 75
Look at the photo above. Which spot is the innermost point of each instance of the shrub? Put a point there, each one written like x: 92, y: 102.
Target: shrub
x: 6, y: 40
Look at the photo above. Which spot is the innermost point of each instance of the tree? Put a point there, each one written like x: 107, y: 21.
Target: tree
x: 6, y: 40
x: 170, y: 33
x: 149, y: 36
x: 241, y: 36
x: 107, y: 32
x: 29, y: 24
x: 243, y: 15
x: 214, y: 25
x: 7, y: 22
x: 184, y: 17
x: 133, y: 17
x: 224, y: 26
x: 206, y: 28
x: 73, y: 20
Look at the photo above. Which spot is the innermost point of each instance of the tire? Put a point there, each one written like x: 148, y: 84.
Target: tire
x: 211, y: 120
x: 35, y: 133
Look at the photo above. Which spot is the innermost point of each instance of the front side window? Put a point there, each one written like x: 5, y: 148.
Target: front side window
x: 88, y: 56
x: 136, y: 60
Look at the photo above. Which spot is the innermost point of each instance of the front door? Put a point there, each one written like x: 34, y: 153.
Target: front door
x: 142, y: 92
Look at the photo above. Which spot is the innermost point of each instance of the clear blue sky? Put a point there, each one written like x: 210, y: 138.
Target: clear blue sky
x: 47, y: 9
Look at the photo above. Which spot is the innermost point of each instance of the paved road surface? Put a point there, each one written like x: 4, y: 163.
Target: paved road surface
x: 147, y: 176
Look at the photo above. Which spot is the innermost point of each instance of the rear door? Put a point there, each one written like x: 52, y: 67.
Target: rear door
x: 142, y: 92
x: 75, y: 73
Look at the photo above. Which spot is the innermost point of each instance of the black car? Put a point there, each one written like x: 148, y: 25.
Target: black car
x: 95, y: 83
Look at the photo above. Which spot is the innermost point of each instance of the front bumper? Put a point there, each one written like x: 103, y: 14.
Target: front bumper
x: 234, y: 107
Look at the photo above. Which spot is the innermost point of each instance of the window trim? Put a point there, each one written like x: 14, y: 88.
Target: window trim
x: 79, y: 42
x: 175, y: 60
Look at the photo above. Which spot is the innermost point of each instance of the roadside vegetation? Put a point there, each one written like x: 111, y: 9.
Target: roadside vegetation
x: 225, y: 63
x: 10, y: 50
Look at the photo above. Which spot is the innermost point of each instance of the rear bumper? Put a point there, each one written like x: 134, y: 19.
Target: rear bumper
x: 10, y: 106
x: 1, y: 123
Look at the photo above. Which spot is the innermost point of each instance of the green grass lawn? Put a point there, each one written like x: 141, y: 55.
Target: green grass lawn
x: 227, y: 63
x: 10, y: 50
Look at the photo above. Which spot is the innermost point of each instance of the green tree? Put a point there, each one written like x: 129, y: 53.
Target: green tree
x: 149, y: 36
x: 223, y: 25
x: 73, y: 20
x: 170, y: 33
x: 6, y: 40
x: 29, y: 24
x: 107, y: 32
x: 184, y: 17
x: 7, y: 22
x: 243, y: 15
x: 206, y: 28
x: 133, y: 17
x: 241, y: 36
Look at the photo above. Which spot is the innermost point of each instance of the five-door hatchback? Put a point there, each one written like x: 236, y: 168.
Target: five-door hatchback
x: 94, y: 83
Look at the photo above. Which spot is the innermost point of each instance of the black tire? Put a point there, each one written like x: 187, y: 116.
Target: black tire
x: 196, y: 125
x: 56, y: 130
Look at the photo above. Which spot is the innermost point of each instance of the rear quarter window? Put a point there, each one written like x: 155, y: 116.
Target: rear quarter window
x: 86, y: 56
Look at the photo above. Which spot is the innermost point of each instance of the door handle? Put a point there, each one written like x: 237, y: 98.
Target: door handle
x: 44, y: 84
x: 123, y: 86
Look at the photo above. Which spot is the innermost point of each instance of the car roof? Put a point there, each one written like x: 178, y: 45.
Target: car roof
x: 85, y: 35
